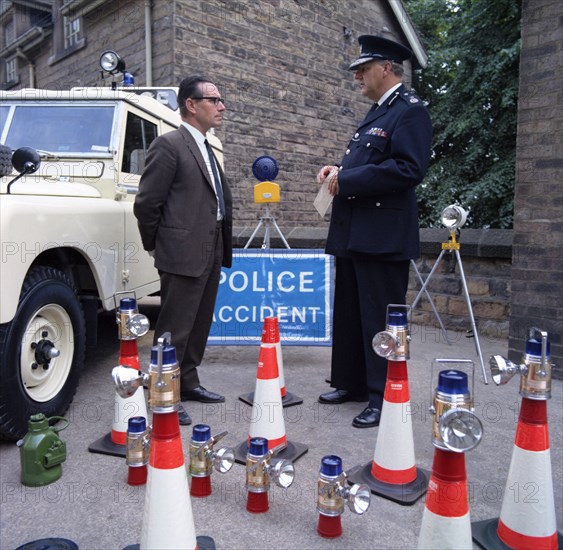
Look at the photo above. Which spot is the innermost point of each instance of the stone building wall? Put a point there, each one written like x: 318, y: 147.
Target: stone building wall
x: 537, y: 262
x: 281, y: 65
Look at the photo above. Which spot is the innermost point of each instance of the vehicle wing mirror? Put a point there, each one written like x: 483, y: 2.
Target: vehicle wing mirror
x: 25, y: 160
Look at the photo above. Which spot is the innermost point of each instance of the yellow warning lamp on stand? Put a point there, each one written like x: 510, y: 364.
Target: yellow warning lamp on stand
x: 265, y: 169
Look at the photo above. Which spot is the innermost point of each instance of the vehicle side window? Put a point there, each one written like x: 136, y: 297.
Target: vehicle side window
x: 139, y: 133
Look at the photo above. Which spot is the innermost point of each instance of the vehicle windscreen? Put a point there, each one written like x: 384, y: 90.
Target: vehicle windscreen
x: 59, y: 128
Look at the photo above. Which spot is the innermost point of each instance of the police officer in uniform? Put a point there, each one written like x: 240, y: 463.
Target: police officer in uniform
x: 373, y: 231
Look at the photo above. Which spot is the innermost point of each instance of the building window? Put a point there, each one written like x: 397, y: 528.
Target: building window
x: 12, y: 70
x: 71, y: 31
x: 68, y: 32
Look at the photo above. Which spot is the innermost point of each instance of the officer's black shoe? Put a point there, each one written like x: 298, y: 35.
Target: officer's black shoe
x: 183, y: 416
x: 368, y: 418
x: 202, y: 395
x: 339, y: 396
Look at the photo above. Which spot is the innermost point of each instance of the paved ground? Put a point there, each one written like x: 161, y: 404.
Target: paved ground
x: 93, y: 506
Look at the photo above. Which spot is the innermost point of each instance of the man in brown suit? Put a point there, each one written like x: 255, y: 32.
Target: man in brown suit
x: 184, y: 213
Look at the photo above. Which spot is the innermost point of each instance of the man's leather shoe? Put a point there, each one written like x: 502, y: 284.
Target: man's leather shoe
x: 183, y: 416
x: 368, y: 418
x: 202, y: 395
x: 339, y: 396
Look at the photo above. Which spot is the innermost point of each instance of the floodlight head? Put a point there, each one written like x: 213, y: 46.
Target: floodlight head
x: 453, y: 217
x: 460, y: 430
x: 223, y: 459
x: 502, y: 369
x: 111, y: 63
x: 127, y: 380
x: 265, y: 168
x: 358, y: 498
x: 385, y: 343
x: 282, y: 473
x: 138, y: 325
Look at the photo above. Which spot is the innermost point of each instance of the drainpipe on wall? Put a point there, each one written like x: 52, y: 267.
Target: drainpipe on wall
x: 148, y: 42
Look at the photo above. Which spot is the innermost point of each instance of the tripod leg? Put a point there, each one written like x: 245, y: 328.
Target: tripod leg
x: 280, y: 233
x: 470, y: 309
x: 425, y: 284
x: 266, y: 241
x: 253, y: 234
x: 444, y: 333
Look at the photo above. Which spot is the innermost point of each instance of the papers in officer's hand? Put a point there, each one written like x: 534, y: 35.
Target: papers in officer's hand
x: 324, y: 199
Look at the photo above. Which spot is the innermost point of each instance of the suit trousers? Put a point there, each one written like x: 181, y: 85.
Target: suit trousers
x: 363, y: 289
x: 186, y: 311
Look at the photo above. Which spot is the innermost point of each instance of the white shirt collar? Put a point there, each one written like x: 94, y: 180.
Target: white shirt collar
x: 384, y: 97
x: 196, y: 134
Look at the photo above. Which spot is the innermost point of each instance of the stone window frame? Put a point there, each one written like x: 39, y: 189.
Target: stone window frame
x: 66, y: 43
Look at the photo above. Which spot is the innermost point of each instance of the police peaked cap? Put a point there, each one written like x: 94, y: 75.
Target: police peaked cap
x: 376, y: 47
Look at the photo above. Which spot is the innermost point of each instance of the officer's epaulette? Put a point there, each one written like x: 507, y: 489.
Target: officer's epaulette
x: 410, y: 97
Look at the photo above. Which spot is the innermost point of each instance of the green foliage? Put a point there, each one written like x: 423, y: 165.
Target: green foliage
x: 471, y: 85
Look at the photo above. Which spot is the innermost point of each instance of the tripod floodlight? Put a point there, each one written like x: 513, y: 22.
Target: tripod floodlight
x: 453, y: 217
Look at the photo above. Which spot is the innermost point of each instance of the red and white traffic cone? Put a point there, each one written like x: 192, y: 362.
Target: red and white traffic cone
x: 168, y: 519
x: 267, y: 420
x: 446, y: 521
x: 526, y: 522
x: 271, y: 332
x: 393, y: 473
x: 114, y: 443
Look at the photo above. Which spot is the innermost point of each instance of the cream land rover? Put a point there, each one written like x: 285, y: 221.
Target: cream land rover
x: 69, y: 240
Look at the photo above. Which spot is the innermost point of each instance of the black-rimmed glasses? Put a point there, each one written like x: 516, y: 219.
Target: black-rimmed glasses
x: 214, y: 100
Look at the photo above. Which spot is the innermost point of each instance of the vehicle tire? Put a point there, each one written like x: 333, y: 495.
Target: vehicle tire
x: 33, y: 378
x: 5, y: 160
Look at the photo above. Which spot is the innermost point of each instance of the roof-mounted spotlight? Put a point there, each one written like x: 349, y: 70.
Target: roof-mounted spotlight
x: 453, y: 217
x: 111, y: 63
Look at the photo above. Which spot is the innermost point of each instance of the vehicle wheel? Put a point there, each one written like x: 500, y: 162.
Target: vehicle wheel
x: 5, y: 160
x: 41, y: 351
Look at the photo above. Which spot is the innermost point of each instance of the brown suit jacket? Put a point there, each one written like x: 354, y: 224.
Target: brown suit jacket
x: 176, y: 206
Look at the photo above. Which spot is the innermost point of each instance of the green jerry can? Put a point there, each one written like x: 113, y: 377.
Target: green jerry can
x: 41, y: 451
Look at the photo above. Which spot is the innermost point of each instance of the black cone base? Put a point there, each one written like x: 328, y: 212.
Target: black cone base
x: 292, y: 452
x: 406, y: 493
x: 203, y: 543
x: 484, y: 533
x: 289, y: 400
x: 49, y: 544
x: 106, y: 446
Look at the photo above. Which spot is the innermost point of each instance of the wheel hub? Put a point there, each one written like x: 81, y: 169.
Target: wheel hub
x: 45, y: 350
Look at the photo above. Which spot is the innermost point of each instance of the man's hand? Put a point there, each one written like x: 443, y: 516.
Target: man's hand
x: 324, y: 172
x: 329, y: 174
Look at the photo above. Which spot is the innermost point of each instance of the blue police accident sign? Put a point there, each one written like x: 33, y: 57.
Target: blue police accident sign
x: 294, y: 285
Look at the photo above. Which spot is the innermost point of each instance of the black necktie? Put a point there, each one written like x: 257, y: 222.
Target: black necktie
x: 216, y: 179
